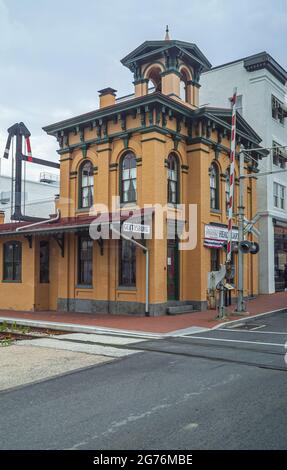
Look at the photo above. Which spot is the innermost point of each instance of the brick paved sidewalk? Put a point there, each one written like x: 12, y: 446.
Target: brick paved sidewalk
x: 162, y: 324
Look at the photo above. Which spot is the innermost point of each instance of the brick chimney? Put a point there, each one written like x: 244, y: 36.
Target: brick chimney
x: 2, y: 217
x: 107, y: 97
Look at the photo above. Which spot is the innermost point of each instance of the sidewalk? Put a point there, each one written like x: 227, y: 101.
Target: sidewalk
x: 162, y: 324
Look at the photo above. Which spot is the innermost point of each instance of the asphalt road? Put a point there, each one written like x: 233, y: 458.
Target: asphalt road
x: 221, y: 389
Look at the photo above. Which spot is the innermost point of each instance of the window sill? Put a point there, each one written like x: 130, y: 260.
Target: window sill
x: 173, y: 205
x: 278, y: 122
x: 128, y: 205
x: 83, y: 210
x: 83, y: 286
x: 126, y: 288
x: 8, y: 281
x: 277, y: 167
x: 216, y: 211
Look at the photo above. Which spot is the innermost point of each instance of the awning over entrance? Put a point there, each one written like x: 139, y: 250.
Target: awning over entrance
x: 136, y: 221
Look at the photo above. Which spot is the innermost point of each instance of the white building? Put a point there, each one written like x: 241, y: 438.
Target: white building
x: 38, y: 197
x: 261, y: 89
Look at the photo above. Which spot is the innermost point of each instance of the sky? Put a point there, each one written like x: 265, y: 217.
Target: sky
x: 56, y: 54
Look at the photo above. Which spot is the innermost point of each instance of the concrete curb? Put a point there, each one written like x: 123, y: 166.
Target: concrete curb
x: 76, y: 328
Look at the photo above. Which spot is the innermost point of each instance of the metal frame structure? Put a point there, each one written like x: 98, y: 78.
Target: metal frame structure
x: 20, y: 131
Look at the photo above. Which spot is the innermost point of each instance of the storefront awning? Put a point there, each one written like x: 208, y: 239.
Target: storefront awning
x: 76, y: 224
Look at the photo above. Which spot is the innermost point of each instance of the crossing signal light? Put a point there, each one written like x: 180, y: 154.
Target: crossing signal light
x: 249, y: 247
x: 234, y: 247
x: 245, y: 246
x: 254, y: 248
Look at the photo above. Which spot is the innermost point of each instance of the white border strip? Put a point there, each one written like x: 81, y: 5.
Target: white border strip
x: 246, y: 318
x: 234, y: 341
x: 256, y: 331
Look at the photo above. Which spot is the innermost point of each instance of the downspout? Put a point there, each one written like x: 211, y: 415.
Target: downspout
x: 46, y: 221
x: 145, y: 249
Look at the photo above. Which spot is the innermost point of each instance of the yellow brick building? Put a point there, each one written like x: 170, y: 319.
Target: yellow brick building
x: 154, y: 147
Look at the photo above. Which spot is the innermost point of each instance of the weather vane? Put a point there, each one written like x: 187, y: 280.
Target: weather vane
x: 167, y: 38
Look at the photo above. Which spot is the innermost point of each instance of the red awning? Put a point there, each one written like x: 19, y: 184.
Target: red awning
x: 73, y: 224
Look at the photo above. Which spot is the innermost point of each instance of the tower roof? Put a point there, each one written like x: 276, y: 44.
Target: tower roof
x: 150, y: 50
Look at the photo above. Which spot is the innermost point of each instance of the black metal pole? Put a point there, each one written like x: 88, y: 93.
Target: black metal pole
x: 18, y: 176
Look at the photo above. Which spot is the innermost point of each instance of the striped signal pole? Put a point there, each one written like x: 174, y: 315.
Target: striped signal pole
x: 29, y: 151
x: 231, y: 176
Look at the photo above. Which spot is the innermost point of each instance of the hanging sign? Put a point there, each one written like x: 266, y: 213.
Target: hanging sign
x: 215, y: 235
x: 136, y: 228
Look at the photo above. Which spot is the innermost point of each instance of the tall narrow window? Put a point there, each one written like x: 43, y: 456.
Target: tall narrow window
x: 44, y: 262
x: 214, y: 187
x: 172, y: 179
x: 12, y: 257
x: 214, y: 259
x: 279, y: 155
x: 279, y: 110
x: 129, y: 178
x: 86, y: 185
x: 183, y: 86
x: 127, y: 263
x: 154, y: 80
x: 279, y: 195
x: 238, y: 105
x: 85, y: 260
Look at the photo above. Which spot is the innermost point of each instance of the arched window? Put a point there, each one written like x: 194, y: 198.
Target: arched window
x: 154, y: 80
x: 172, y: 179
x: 214, y: 187
x: 183, y: 86
x: 129, y: 178
x: 86, y: 185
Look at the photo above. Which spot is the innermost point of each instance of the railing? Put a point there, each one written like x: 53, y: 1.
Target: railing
x: 49, y: 177
x: 132, y: 95
x: 125, y: 98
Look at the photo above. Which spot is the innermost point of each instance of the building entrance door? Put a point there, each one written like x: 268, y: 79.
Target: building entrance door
x: 172, y: 270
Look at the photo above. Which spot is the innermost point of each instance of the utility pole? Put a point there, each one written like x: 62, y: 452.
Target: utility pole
x: 221, y: 307
x: 241, y: 307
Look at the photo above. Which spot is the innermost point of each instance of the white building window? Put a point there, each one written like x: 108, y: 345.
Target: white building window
x: 279, y: 109
x: 279, y: 195
x: 279, y: 155
x: 239, y: 105
x: 5, y: 197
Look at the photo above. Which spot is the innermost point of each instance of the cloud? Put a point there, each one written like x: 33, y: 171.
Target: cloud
x: 13, y: 32
x: 55, y: 55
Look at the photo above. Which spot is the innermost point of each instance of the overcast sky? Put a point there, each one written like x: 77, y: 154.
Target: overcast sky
x: 56, y: 54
